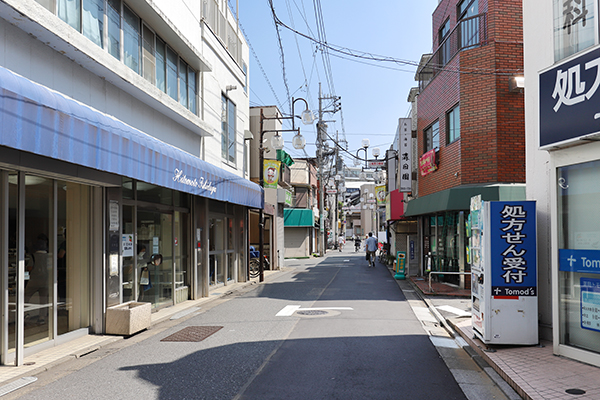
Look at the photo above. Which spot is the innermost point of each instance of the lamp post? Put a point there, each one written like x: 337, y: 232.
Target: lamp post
x: 365, y: 145
x: 277, y: 143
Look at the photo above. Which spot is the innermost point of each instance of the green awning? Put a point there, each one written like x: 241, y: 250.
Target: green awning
x: 459, y: 198
x: 285, y: 158
x: 298, y: 217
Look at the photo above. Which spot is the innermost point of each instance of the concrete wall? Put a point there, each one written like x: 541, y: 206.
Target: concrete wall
x: 539, y: 54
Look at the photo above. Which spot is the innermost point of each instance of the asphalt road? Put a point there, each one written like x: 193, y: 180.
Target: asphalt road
x: 322, y: 329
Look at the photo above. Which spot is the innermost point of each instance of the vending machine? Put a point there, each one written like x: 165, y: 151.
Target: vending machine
x: 504, y: 271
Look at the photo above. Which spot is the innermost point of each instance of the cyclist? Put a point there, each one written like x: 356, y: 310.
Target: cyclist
x: 371, y: 245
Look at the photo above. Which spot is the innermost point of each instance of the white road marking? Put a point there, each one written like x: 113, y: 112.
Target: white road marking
x: 454, y: 310
x: 288, y: 311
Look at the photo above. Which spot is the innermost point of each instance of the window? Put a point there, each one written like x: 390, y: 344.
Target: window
x: 161, y: 76
x: 432, y: 136
x: 149, y: 59
x: 172, y: 61
x: 131, y: 39
x: 228, y: 133
x: 183, y: 97
x: 116, y: 28
x: 68, y: 11
x: 574, y: 27
x: 192, y: 91
x: 469, y: 26
x: 445, y: 46
x: 93, y: 20
x: 453, y: 124
x: 113, y: 13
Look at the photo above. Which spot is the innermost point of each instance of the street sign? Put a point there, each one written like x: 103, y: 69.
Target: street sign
x: 375, y: 164
x: 331, y: 191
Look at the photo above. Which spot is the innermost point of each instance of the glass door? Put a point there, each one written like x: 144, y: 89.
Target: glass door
x: 155, y: 237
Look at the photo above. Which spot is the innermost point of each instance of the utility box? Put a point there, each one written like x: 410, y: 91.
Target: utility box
x: 504, y: 271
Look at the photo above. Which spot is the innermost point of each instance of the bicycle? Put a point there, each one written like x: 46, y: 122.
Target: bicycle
x: 254, y: 266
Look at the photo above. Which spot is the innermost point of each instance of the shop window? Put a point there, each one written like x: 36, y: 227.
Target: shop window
x: 578, y: 194
x: 453, y: 124
x: 432, y: 137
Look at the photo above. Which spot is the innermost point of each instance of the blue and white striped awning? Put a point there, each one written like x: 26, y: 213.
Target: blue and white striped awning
x: 39, y: 120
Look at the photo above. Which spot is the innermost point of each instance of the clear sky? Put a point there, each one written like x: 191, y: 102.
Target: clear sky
x: 374, y: 93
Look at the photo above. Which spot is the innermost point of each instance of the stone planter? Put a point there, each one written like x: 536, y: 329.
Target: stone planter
x: 128, y: 318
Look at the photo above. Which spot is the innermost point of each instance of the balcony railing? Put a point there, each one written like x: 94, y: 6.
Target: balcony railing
x: 468, y: 33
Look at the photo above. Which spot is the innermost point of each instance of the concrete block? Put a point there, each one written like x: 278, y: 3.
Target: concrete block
x: 128, y: 318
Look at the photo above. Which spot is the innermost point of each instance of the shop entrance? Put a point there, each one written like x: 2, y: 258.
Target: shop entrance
x: 47, y: 261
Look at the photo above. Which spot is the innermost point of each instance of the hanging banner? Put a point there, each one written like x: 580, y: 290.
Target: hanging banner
x: 427, y: 163
x: 380, y: 193
x: 271, y: 173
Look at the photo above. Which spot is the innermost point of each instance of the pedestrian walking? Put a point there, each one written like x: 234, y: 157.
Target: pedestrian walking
x: 371, y: 247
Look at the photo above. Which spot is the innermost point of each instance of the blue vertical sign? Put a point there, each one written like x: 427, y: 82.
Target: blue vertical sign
x: 513, y: 255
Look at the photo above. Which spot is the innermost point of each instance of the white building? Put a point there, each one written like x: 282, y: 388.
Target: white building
x: 121, y: 136
x: 562, y: 70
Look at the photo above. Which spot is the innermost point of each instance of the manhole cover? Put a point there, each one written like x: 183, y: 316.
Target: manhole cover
x: 192, y: 334
x: 311, y: 312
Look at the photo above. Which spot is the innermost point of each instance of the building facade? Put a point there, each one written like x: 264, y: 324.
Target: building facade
x: 122, y: 169
x: 470, y: 129
x: 563, y: 168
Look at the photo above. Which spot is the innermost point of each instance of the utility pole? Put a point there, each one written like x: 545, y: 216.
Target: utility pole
x: 321, y: 139
x: 320, y: 127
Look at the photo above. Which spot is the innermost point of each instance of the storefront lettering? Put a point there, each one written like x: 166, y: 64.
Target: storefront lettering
x: 568, y: 83
x: 514, y: 218
x: 201, y: 183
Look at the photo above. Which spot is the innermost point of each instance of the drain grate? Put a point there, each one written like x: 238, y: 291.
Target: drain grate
x: 312, y: 312
x: 192, y: 334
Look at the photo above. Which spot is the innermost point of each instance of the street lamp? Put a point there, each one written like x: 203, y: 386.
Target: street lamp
x: 307, y: 118
x: 365, y: 145
x: 277, y: 143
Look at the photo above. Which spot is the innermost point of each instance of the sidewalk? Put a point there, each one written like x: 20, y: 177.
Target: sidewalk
x: 11, y: 376
x: 534, y: 372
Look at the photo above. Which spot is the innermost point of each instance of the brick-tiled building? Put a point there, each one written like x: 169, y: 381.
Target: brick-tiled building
x: 470, y: 123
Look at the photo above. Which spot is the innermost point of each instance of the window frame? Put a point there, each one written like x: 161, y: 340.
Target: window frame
x: 227, y: 145
x: 427, y: 138
x: 451, y: 138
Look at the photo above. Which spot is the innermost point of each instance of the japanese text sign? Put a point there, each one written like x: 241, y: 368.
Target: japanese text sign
x: 404, y: 155
x: 513, y: 248
x: 569, y: 100
x: 427, y: 163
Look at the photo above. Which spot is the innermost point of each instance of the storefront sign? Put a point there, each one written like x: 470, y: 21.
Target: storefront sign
x: 380, y: 193
x: 568, y: 108
x: 590, y: 303
x: 376, y: 164
x: 180, y: 177
x: 513, y: 249
x: 405, y: 155
x: 427, y: 163
x: 289, y: 198
x: 582, y: 261
x: 271, y: 173
x: 113, y: 210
